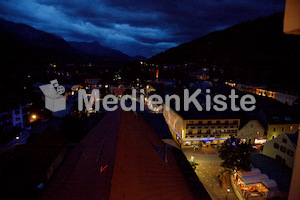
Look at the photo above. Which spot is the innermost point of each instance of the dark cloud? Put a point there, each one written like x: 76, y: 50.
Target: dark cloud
x: 143, y: 27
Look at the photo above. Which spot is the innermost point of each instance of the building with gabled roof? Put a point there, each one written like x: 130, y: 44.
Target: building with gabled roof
x: 282, y: 120
x: 282, y: 148
x: 253, y: 127
x: 123, y: 158
x: 252, y: 132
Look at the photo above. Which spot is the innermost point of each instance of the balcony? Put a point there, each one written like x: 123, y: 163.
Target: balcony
x: 205, y: 135
x: 212, y: 126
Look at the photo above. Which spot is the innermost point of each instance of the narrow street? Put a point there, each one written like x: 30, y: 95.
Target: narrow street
x: 208, y: 170
x: 22, y: 140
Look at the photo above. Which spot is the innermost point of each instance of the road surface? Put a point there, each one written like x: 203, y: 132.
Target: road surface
x: 22, y: 140
x: 208, y: 170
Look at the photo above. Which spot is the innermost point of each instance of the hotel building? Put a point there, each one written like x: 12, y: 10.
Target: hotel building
x: 193, y: 127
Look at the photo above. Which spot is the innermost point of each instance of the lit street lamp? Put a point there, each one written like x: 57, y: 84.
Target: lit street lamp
x: 228, y: 190
x: 33, y: 118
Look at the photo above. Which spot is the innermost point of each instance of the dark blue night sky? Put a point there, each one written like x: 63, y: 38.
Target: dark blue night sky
x: 136, y: 27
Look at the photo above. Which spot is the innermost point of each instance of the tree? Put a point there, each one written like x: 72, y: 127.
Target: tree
x: 235, y: 155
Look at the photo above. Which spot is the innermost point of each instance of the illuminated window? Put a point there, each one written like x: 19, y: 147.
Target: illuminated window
x: 291, y: 128
x: 243, y: 140
x: 260, y: 141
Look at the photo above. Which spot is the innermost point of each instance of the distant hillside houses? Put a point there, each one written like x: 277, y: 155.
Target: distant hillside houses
x: 285, y: 97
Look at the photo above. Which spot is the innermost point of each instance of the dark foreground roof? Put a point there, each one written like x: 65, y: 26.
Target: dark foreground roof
x: 158, y: 123
x: 275, y: 170
x: 122, y: 158
x: 79, y: 176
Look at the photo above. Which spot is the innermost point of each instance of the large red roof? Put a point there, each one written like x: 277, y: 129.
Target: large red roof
x: 121, y: 146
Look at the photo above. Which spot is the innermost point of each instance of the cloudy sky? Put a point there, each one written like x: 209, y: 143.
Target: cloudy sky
x: 136, y: 27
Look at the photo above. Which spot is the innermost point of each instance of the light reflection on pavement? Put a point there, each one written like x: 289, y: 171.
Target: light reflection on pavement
x: 208, y: 170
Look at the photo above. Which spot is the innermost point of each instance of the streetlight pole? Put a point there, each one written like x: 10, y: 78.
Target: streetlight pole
x: 228, y: 190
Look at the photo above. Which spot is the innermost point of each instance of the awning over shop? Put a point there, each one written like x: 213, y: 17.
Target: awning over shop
x: 253, y: 172
x: 270, y: 183
x: 254, y: 179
